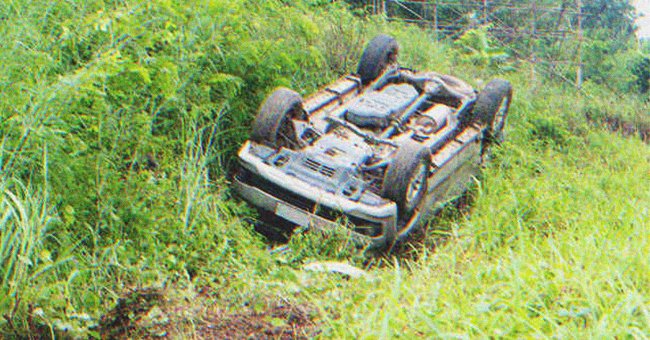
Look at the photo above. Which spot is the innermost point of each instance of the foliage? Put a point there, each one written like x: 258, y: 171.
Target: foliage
x: 477, y: 48
x: 611, y: 19
x: 120, y: 121
x: 26, y: 218
x: 608, y: 33
x: 625, y: 71
x: 141, y: 107
x: 640, y: 68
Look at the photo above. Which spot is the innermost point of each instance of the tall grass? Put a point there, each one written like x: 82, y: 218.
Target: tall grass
x: 142, y: 106
x: 23, y: 228
x: 27, y: 266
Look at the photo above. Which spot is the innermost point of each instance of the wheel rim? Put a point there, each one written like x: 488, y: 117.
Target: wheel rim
x: 499, y: 120
x: 286, y: 133
x: 416, y: 185
x: 391, y: 57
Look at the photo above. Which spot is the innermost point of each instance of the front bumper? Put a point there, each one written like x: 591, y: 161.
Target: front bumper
x: 296, y: 201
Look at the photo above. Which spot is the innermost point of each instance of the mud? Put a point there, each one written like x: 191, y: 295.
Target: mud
x: 624, y: 127
x: 122, y: 321
x: 281, y: 321
x: 149, y: 314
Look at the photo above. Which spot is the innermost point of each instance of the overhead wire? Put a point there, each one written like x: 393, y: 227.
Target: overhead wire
x: 510, y: 32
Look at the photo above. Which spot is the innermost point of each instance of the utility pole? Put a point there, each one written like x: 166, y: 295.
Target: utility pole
x: 435, y: 19
x: 425, y: 10
x: 378, y: 7
x: 533, y: 28
x: 579, y: 69
x: 485, y: 12
x: 513, y: 22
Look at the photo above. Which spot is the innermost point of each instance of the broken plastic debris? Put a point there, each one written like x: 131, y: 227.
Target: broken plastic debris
x: 337, y: 267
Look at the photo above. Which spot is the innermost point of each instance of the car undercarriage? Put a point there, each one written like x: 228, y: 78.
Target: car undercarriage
x: 373, y: 153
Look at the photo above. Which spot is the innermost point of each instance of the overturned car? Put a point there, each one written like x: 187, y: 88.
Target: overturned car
x: 373, y: 153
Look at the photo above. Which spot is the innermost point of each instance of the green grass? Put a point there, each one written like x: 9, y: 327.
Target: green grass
x: 556, y: 244
x: 120, y: 122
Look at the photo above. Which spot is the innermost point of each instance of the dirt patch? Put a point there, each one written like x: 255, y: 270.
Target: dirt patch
x: 152, y: 314
x: 626, y: 128
x: 134, y: 308
x: 36, y: 330
x: 281, y: 321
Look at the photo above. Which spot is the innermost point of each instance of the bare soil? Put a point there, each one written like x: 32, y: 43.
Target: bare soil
x: 122, y: 321
x: 277, y: 322
x: 149, y: 314
x: 625, y: 128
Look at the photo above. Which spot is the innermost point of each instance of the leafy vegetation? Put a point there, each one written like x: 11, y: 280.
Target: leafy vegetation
x: 542, y: 32
x: 476, y: 48
x: 119, y: 124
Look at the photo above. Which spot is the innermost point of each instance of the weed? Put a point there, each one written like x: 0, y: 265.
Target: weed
x: 120, y: 122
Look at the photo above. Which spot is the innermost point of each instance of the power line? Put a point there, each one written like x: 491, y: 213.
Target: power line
x: 469, y: 15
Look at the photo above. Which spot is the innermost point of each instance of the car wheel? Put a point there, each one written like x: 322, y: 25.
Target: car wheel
x: 405, y: 181
x: 491, y: 108
x: 380, y: 52
x: 273, y: 125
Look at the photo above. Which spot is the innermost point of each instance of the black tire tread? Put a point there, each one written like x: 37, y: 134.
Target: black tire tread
x: 490, y: 98
x: 271, y: 114
x: 378, y: 54
x: 399, y: 173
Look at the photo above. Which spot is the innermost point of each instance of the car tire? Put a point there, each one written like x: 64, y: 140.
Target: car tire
x: 405, y: 181
x: 272, y: 125
x: 491, y: 108
x: 379, y: 53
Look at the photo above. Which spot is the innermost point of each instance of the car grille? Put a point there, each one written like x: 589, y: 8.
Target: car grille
x: 319, y: 167
x: 359, y: 225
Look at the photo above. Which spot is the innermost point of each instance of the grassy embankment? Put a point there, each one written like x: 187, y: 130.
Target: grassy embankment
x: 119, y: 124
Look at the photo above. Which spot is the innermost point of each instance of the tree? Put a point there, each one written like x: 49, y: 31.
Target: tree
x: 614, y: 16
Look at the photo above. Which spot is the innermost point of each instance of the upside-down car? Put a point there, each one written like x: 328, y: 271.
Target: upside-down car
x: 374, y: 152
